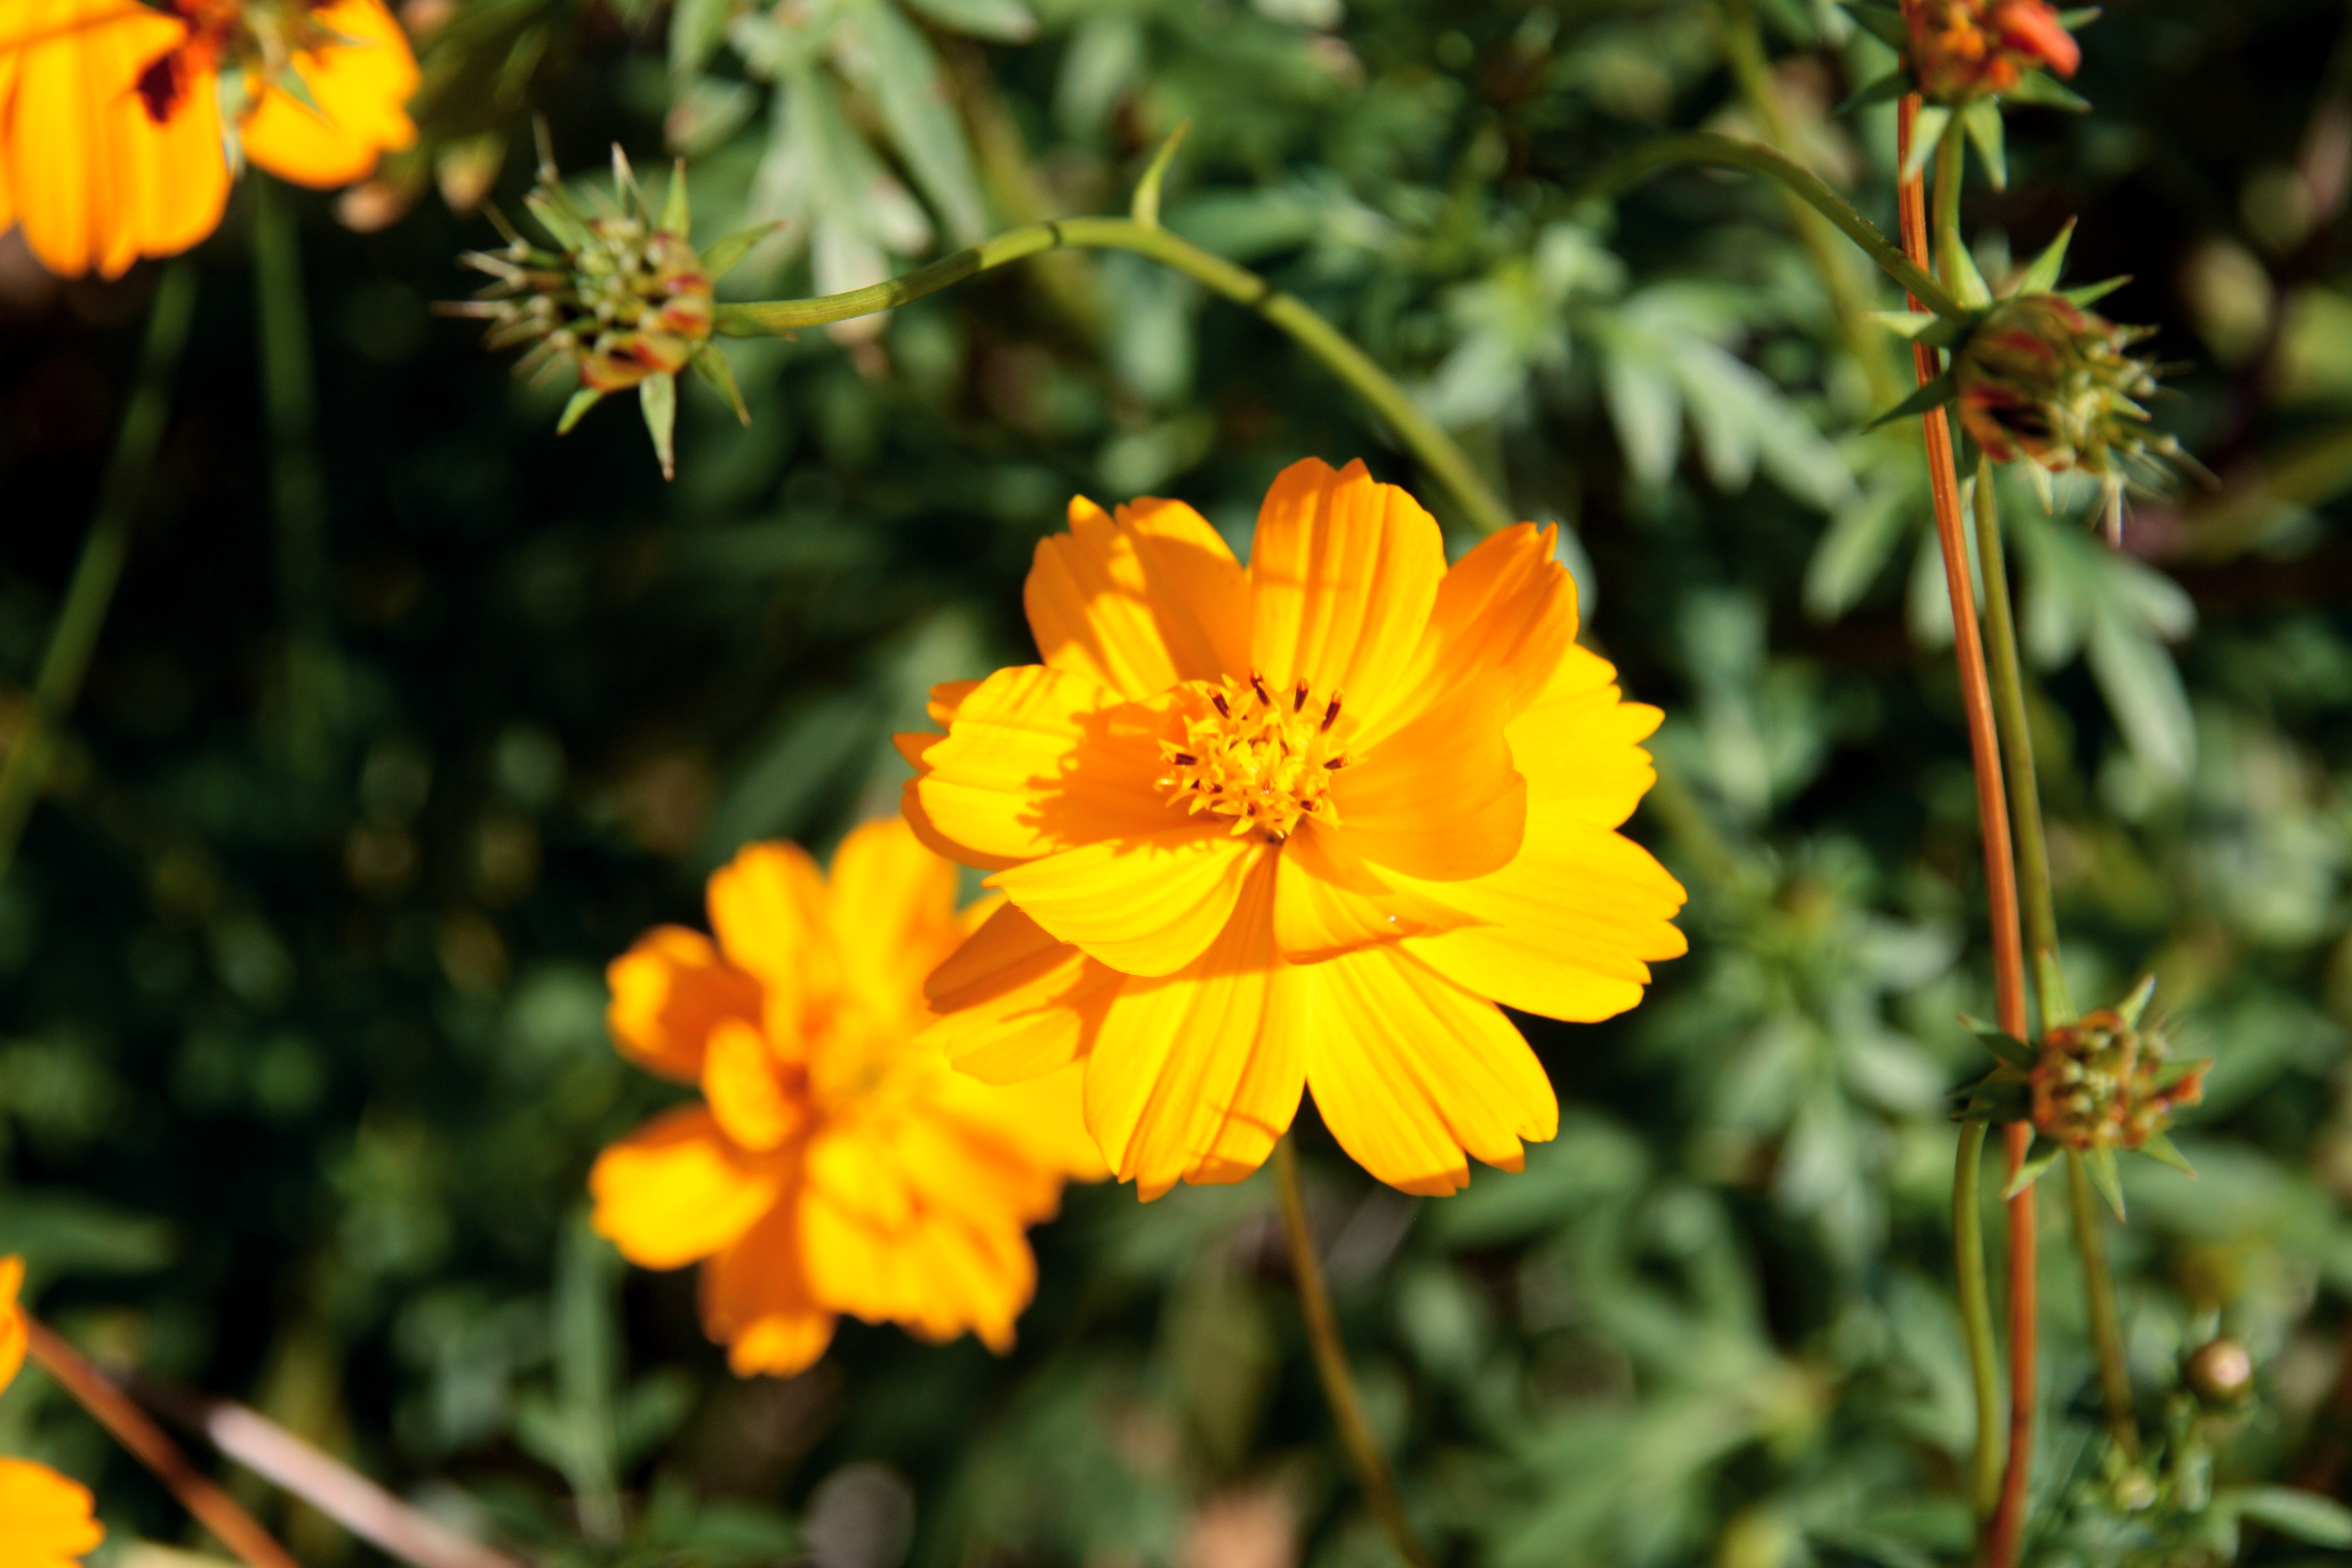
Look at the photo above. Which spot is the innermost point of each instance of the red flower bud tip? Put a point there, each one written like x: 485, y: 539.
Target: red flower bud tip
x: 1963, y: 49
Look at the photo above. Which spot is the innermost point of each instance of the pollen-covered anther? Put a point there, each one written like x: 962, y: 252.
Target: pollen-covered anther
x: 1262, y: 755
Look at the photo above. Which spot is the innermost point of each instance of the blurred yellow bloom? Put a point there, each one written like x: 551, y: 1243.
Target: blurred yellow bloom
x: 45, y: 1519
x: 1295, y: 824
x: 112, y: 143
x: 838, y: 1164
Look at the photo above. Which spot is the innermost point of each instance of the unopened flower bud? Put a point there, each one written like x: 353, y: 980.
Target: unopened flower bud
x: 2221, y: 1372
x: 2102, y: 1083
x: 1965, y: 49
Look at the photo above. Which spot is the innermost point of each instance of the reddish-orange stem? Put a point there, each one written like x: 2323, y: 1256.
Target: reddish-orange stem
x: 2008, y: 1520
x: 219, y: 1511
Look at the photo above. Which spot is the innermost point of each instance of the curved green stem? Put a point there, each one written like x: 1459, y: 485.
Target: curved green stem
x: 1331, y: 1362
x: 101, y: 564
x: 2106, y: 1323
x: 1976, y: 1316
x: 1438, y: 451
x: 2036, y: 904
x: 1704, y: 147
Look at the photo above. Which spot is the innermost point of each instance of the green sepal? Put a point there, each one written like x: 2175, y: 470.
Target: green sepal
x: 1924, y: 326
x: 2160, y: 1150
x: 1999, y: 1042
x: 585, y: 399
x: 2080, y: 16
x: 1885, y: 89
x: 1962, y: 276
x: 712, y: 367
x: 2092, y: 293
x: 1145, y: 208
x: 1982, y: 121
x: 675, y: 218
x: 1934, y: 394
x: 1881, y: 22
x: 2130, y: 1008
x: 625, y: 184
x: 2030, y: 1171
x: 720, y: 259
x: 554, y: 214
x: 2035, y: 87
x: 658, y: 396
x: 2041, y: 276
x: 2104, y: 1177
x: 1926, y: 130
x: 290, y: 81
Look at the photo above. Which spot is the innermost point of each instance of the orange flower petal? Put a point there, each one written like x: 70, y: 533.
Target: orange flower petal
x: 1043, y: 1120
x: 1326, y: 900
x: 1039, y: 761
x: 1139, y: 603
x: 1343, y: 572
x: 1195, y: 1075
x: 744, y: 1081
x: 768, y: 906
x: 1579, y: 743
x: 1507, y: 611
x: 1409, y: 1071
x: 757, y: 1302
x: 12, y: 1319
x: 893, y: 903
x: 1440, y: 798
x: 670, y: 990
x: 1147, y: 905
x: 1015, y: 1002
x: 360, y: 88
x: 679, y: 1189
x: 45, y: 1519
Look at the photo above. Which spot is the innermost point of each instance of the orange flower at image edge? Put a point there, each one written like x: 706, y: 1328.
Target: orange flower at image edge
x: 110, y: 131
x: 837, y: 1164
x: 45, y: 1519
x: 1296, y: 825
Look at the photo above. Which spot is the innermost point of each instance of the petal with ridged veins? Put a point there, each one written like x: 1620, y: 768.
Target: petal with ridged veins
x: 1141, y: 602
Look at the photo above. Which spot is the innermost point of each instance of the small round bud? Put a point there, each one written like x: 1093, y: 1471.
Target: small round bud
x: 1965, y: 49
x: 2135, y: 1490
x: 2221, y: 1372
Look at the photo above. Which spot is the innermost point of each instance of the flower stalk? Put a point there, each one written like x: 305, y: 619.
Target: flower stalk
x: 100, y: 567
x: 130, y: 1427
x: 1331, y: 1365
x: 2099, y: 1288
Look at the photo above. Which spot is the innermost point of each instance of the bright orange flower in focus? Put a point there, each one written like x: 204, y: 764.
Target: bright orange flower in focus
x: 45, y: 1519
x: 1962, y: 49
x: 1295, y: 824
x: 111, y: 142
x: 838, y: 1164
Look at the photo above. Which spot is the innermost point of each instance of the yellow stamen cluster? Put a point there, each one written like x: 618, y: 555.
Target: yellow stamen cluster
x: 1264, y: 757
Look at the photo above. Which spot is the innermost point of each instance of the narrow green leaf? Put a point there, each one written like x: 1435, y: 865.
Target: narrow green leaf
x: 711, y: 365
x: 676, y: 216
x: 1005, y: 21
x: 1906, y: 323
x: 2030, y: 1171
x: 1981, y: 119
x: 2104, y: 1177
x: 582, y: 402
x: 1961, y: 274
x: 2130, y: 1008
x: 2001, y: 1042
x: 1926, y: 131
x: 2079, y: 17
x: 2034, y: 86
x: 2092, y: 293
x: 1881, y: 22
x: 2306, y: 1516
x: 1885, y: 89
x: 1934, y: 394
x: 658, y: 396
x: 882, y: 52
x: 2041, y: 276
x: 720, y: 259
x: 696, y: 27
x: 1146, y: 206
x: 2161, y: 1150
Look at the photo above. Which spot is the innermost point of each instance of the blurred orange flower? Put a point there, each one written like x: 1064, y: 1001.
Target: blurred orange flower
x: 1298, y: 825
x: 837, y: 1164
x: 112, y: 143
x: 45, y: 1519
x: 1961, y: 49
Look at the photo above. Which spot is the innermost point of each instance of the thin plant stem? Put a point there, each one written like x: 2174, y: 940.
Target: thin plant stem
x: 298, y: 485
x: 2106, y: 1323
x: 1743, y: 47
x: 321, y: 1480
x: 1331, y: 1362
x: 1976, y: 1316
x: 2039, y: 912
x: 99, y: 567
x: 2001, y: 1531
x: 1436, y: 451
x: 113, y: 1410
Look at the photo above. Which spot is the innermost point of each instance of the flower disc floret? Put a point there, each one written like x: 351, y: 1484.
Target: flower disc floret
x: 1293, y: 825
x: 835, y: 1163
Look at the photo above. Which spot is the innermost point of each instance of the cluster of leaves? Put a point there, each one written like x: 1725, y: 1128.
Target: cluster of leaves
x: 303, y: 1060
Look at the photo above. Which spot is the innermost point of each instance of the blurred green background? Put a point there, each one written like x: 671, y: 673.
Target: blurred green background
x: 302, y: 1054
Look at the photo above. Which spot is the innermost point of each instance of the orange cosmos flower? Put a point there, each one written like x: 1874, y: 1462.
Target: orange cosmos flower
x: 1295, y: 824
x: 45, y: 1519
x: 1962, y: 49
x: 112, y: 144
x: 838, y: 1164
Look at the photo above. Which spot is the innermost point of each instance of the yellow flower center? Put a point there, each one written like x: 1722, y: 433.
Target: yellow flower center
x: 1262, y: 757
